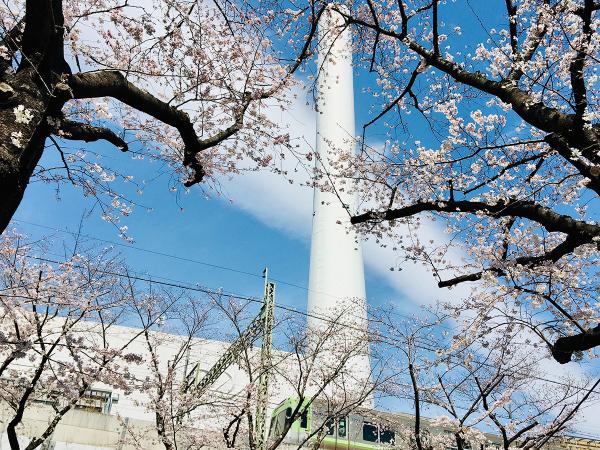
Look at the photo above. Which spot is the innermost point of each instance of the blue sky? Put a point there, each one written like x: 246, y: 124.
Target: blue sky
x: 247, y: 229
x: 219, y: 230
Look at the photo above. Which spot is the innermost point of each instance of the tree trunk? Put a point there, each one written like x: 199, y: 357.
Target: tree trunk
x: 28, y: 97
x: 22, y: 144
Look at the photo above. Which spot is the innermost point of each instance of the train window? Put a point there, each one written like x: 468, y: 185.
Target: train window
x: 304, y: 419
x: 342, y: 427
x: 288, y: 413
x: 330, y: 427
x: 387, y: 436
x: 369, y: 432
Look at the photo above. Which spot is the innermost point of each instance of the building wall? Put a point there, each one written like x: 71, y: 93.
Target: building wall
x: 81, y: 429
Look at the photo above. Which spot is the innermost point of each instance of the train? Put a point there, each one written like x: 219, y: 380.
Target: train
x: 361, y: 430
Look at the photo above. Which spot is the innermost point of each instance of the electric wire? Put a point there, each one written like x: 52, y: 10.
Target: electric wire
x: 179, y: 258
x: 387, y: 339
x: 203, y: 263
x: 199, y: 262
x: 180, y: 285
x: 194, y: 261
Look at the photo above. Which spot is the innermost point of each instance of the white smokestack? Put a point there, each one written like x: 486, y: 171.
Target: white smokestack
x: 336, y: 277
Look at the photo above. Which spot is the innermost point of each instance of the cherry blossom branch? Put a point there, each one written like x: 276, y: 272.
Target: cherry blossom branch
x: 577, y: 64
x: 511, y: 10
x: 391, y: 105
x: 236, y: 421
x: 564, y: 347
x: 562, y: 249
x: 63, y: 159
x: 590, y: 171
x: 376, y: 20
x: 595, y: 6
x: 11, y: 40
x: 39, y: 371
x: 487, y: 390
x: 484, y: 394
x: 538, y: 31
x: 114, y: 84
x: 550, y: 300
x: 502, y: 172
x: 415, y: 388
x: 403, y: 17
x: 434, y: 26
x: 568, y: 417
x: 536, y: 113
x: 315, y: 17
x: 548, y: 218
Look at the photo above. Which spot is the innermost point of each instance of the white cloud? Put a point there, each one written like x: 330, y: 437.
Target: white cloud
x: 414, y: 282
x: 288, y: 207
x: 271, y: 198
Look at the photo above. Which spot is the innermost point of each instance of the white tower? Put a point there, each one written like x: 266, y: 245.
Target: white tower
x: 336, y: 277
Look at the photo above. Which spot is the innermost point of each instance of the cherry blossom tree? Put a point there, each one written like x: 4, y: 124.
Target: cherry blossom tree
x: 319, y: 365
x: 181, y: 417
x: 494, y: 133
x: 56, y: 327
x: 182, y: 82
x: 496, y: 387
x: 223, y: 417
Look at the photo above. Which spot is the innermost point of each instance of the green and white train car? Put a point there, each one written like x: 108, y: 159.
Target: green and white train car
x: 361, y: 430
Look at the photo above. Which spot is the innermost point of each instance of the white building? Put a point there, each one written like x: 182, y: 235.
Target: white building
x: 108, y: 418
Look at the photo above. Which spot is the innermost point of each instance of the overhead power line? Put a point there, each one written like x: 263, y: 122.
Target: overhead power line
x: 194, y: 261
x: 141, y: 249
x: 382, y: 337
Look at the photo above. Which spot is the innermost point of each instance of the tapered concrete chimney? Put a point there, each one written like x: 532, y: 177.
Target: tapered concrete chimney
x: 336, y: 277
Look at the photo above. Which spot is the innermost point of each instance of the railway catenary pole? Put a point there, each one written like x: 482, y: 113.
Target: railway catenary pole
x: 262, y: 324
x: 262, y: 396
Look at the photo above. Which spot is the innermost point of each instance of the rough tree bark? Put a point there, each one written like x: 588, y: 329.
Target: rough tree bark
x: 37, y: 86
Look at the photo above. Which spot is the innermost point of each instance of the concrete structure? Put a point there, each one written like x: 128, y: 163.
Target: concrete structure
x: 336, y: 278
x: 108, y: 418
x: 578, y: 443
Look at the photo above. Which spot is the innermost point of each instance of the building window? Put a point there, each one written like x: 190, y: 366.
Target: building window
x: 387, y: 436
x: 93, y: 400
x: 97, y: 400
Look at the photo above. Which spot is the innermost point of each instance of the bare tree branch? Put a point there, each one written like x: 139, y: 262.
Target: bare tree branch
x: 69, y: 129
